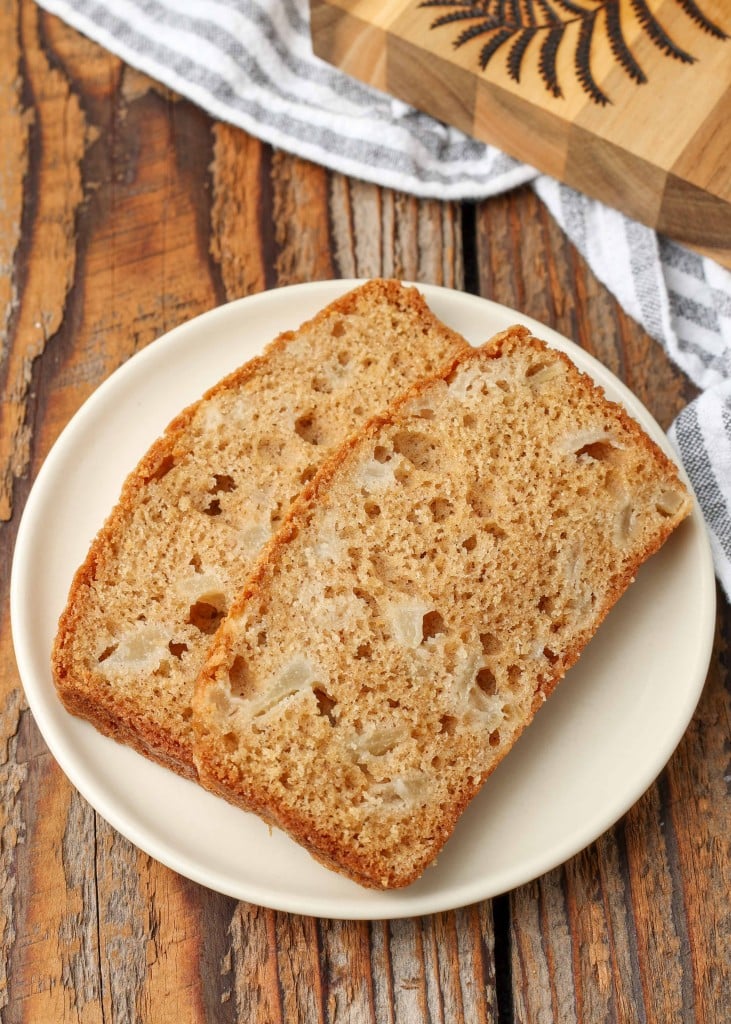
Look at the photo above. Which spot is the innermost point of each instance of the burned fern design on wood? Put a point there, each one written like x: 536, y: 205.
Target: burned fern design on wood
x: 520, y: 26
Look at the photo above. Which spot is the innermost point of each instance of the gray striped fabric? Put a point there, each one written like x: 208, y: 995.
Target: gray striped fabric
x: 250, y: 62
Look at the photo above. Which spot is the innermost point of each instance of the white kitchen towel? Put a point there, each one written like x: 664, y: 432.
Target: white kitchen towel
x: 250, y: 62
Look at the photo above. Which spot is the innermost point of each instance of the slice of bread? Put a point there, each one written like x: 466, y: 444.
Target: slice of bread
x: 428, y: 590
x: 194, y: 515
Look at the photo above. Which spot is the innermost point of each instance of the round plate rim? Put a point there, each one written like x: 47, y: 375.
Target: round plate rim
x: 399, y: 904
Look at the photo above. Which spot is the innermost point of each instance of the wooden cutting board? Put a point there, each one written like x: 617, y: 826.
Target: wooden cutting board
x: 628, y: 101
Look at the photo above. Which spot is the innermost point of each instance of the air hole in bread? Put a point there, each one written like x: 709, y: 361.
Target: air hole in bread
x: 177, y: 649
x: 372, y: 510
x: 480, y: 501
x: 261, y: 638
x: 494, y: 738
x: 503, y: 385
x: 431, y: 625
x: 469, y: 420
x: 485, y: 680
x: 364, y: 652
x: 205, y: 617
x: 239, y: 677
x: 223, y: 482
x: 107, y: 652
x: 338, y: 330
x: 441, y: 509
x: 306, y: 427
x: 514, y: 675
x: 470, y: 543
x: 550, y: 655
x: 366, y: 597
x: 382, y: 454
x: 416, y: 448
x: 196, y: 563
x: 162, y: 469
x: 494, y: 530
x: 230, y: 742
x: 214, y: 509
x: 325, y: 704
x: 307, y: 474
x: 598, y: 451
x: 268, y: 447
x: 490, y: 643
x: 187, y: 713
x: 448, y: 725
x: 545, y: 604
x: 356, y: 556
x: 322, y: 385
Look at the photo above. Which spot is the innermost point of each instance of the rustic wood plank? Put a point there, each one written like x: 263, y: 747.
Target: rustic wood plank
x: 349, y: 991
x: 16, y: 123
x: 241, y: 209
x: 44, y: 945
x: 378, y: 232
x: 257, y: 990
x: 53, y: 132
x: 50, y: 963
x: 697, y: 817
x: 299, y: 214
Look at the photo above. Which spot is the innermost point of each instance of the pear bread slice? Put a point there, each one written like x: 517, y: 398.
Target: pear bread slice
x: 425, y: 594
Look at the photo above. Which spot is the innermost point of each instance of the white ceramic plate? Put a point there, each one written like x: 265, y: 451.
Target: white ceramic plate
x: 592, y: 751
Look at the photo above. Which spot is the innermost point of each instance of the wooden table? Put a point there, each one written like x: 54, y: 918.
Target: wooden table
x: 123, y: 212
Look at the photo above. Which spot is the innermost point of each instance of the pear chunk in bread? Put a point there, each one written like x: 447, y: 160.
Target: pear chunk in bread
x: 194, y: 515
x: 425, y: 595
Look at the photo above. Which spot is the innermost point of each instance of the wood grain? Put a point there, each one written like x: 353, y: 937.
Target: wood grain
x: 136, y: 214
x: 657, y: 151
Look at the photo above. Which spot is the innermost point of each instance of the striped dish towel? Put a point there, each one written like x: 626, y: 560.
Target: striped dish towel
x: 250, y: 62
